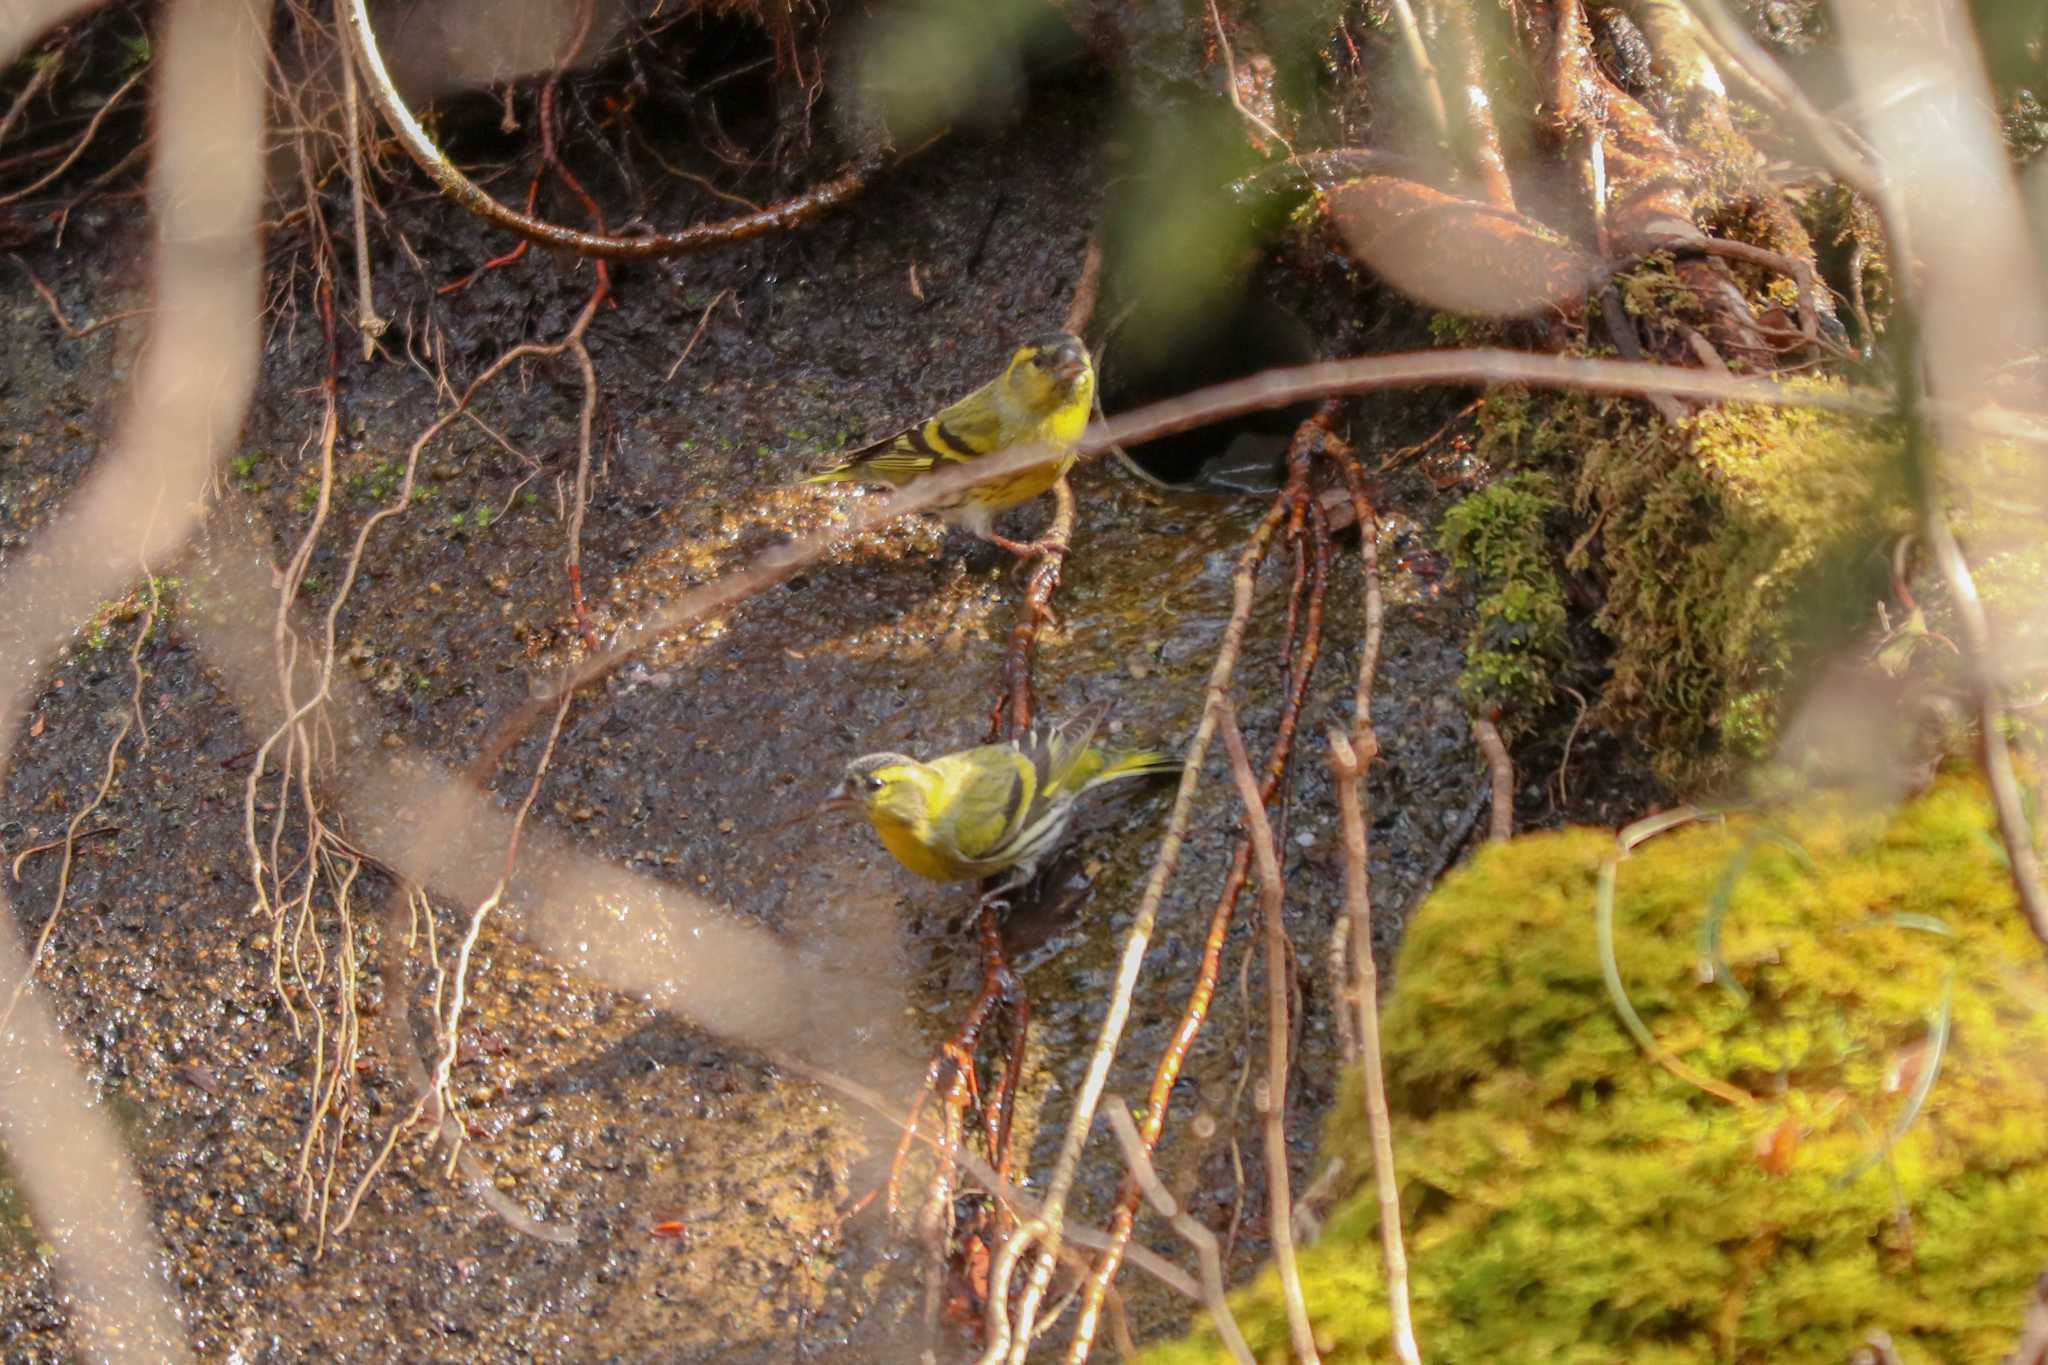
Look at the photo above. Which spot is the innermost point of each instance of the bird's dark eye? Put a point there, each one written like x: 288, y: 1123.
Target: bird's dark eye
x: 871, y: 782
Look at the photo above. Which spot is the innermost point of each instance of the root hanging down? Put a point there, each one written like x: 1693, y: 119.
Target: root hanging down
x: 369, y: 62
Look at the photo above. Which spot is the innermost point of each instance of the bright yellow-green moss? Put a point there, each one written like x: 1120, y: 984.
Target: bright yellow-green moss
x: 1566, y: 1199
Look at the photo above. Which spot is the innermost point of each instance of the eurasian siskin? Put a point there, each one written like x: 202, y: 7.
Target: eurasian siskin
x: 1044, y: 395
x: 995, y: 808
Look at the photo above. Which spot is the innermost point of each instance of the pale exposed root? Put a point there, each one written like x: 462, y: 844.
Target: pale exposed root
x: 78, y: 147
x: 313, y: 985
x: 1501, y: 776
x: 435, y: 1093
x: 1200, y: 1238
x: 131, y: 719
x: 1272, y: 1100
x: 793, y: 212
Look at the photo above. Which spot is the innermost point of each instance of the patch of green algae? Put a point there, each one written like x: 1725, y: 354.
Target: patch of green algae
x: 1565, y: 1199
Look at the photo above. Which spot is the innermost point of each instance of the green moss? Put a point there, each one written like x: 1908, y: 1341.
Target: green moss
x: 1501, y: 537
x: 1734, y: 547
x: 1566, y: 1199
x: 104, y: 630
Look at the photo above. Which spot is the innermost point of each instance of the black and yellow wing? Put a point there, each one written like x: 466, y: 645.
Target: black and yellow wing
x: 969, y: 428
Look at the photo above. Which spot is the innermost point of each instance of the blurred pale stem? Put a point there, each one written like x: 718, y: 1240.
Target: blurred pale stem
x: 190, y: 391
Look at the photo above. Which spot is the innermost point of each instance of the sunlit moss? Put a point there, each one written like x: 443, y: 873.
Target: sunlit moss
x: 1501, y: 537
x: 1733, y: 547
x: 1564, y: 1198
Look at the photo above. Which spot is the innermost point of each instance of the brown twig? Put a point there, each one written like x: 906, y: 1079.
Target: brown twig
x: 1137, y: 938
x: 64, y: 324
x: 703, y: 321
x: 1081, y: 311
x: 1249, y: 115
x: 1015, y: 707
x: 1501, y: 771
x: 1799, y: 270
x: 44, y: 66
x: 1139, y: 1160
x: 1020, y: 1204
x: 1366, y: 518
x: 1273, y: 1099
x: 69, y: 839
x: 84, y: 140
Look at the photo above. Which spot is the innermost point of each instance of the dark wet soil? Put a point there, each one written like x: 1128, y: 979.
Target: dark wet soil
x: 593, y: 1109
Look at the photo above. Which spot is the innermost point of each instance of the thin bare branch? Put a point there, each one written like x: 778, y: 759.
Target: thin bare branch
x: 1200, y: 1238
x: 78, y: 147
x: 1347, y: 771
x: 1273, y: 1100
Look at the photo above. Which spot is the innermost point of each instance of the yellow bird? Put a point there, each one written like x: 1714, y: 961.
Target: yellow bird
x: 995, y: 808
x: 1043, y: 396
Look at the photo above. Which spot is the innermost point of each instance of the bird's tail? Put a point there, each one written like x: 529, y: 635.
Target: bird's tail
x: 1135, y: 763
x: 839, y: 473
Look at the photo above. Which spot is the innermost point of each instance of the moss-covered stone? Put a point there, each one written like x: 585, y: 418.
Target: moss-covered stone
x: 1566, y: 1199
x: 1733, y: 546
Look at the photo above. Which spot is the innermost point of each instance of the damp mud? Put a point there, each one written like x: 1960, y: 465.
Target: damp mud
x: 706, y: 1189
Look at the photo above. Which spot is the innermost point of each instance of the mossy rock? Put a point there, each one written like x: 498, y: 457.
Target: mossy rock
x: 1565, y: 1198
x: 1733, y: 548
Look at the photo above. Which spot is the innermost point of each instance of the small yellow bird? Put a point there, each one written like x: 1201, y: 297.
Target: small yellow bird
x: 989, y: 809
x: 1044, y: 395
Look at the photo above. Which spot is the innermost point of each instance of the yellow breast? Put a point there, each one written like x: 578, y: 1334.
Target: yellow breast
x: 906, y: 841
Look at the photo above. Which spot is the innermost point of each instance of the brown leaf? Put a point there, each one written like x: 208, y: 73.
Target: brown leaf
x: 1457, y: 254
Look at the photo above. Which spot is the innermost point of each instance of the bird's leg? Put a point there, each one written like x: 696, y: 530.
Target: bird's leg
x: 998, y: 898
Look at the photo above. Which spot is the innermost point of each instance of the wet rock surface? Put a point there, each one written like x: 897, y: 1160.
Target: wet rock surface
x: 597, y: 1112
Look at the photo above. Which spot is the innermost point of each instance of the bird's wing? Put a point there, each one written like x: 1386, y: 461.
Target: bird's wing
x: 970, y: 427
x: 985, y: 799
x: 1059, y: 752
